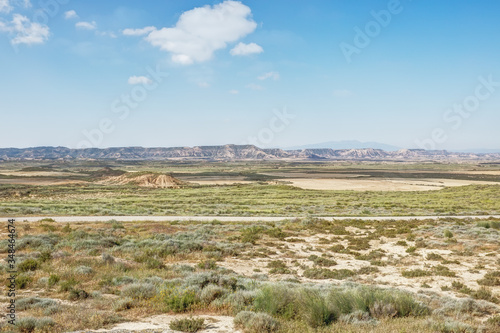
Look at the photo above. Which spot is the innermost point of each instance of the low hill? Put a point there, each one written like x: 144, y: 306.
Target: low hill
x: 143, y: 179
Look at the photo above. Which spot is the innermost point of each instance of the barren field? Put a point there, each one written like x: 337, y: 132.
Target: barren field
x: 387, y: 184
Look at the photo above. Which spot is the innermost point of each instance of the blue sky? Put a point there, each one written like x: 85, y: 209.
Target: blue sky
x: 273, y: 73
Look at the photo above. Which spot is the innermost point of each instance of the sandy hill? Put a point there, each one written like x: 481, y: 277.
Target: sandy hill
x: 143, y: 179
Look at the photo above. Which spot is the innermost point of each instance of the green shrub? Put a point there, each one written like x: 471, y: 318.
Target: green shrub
x: 45, y: 256
x: 448, y: 234
x: 277, y: 300
x: 28, y: 265
x: 22, y: 281
x: 322, y: 261
x: 491, y: 279
x: 211, y: 293
x: 77, y: 294
x: 108, y: 259
x: 252, y: 322
x: 434, y: 256
x: 177, y: 299
x: 139, y: 291
x: 324, y: 273
x: 278, y: 267
x: 123, y: 304
x: 34, y: 302
x: 53, y: 280
x: 30, y: 324
x: 415, y: 273
x: 443, y: 271
x: 314, y: 308
x: 190, y: 325
x: 494, y: 321
x: 208, y: 264
x: 83, y: 270
x: 251, y: 235
x: 376, y: 301
x: 411, y: 249
x: 67, y: 285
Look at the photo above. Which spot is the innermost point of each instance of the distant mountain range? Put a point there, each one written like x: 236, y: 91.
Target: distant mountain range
x: 236, y: 152
x: 347, y: 144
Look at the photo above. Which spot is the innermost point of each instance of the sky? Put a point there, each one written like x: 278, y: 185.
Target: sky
x: 414, y: 74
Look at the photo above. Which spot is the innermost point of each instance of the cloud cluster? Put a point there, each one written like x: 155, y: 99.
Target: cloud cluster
x: 139, y: 80
x: 243, y: 49
x: 24, y: 31
x: 70, y: 14
x: 201, y: 31
x: 86, y: 25
x: 5, y: 6
x: 270, y: 75
x: 138, y: 32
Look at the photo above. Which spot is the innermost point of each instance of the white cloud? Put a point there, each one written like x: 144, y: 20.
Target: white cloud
x: 201, y: 31
x: 5, y: 6
x: 234, y: 92
x: 110, y: 34
x: 86, y: 25
x: 342, y: 93
x: 24, y: 31
x: 139, y: 80
x: 138, y: 32
x: 203, y: 84
x: 254, y: 86
x: 70, y: 14
x: 243, y: 49
x: 270, y: 75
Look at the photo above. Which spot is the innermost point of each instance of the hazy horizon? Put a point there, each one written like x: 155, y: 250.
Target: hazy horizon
x: 412, y: 74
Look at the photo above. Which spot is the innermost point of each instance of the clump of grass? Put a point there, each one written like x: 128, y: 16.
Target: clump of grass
x: 434, y: 256
x: 208, y: 264
x: 489, y: 224
x: 324, y: 273
x: 411, y: 249
x: 491, y: 279
x: 83, y: 270
x: 108, y: 259
x: 78, y: 294
x: 252, y: 322
x: 415, y: 273
x: 322, y: 261
x: 443, y: 271
x: 189, y: 325
x: 211, y: 293
x: 31, y: 324
x: 28, y: 265
x: 278, y: 267
x: 176, y: 299
x: 448, y: 234
x: 251, y: 235
x: 139, y: 291
x: 276, y: 300
x: 123, y: 304
x: 22, y: 281
x: 67, y: 285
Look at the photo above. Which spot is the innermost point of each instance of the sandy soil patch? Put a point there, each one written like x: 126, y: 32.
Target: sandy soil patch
x: 39, y: 181
x: 39, y: 173
x: 382, y: 184
x: 220, y: 182
x: 315, y: 175
x: 214, y: 324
